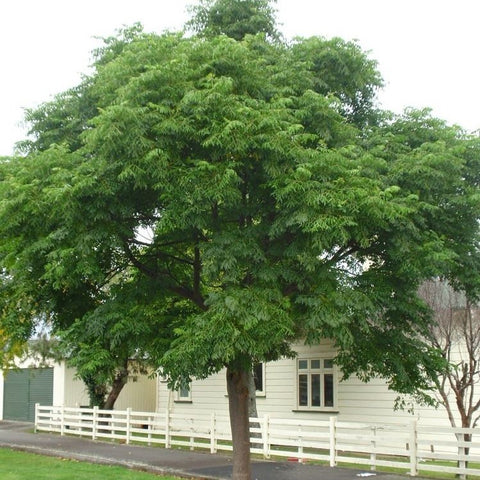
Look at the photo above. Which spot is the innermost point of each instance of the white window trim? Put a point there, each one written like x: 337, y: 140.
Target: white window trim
x: 322, y: 371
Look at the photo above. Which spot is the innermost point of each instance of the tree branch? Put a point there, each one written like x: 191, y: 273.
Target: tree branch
x: 178, y: 288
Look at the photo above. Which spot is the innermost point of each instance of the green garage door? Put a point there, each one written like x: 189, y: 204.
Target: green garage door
x: 23, y: 389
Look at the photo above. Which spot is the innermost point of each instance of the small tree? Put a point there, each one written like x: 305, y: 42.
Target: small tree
x: 122, y: 336
x: 456, y: 334
x: 42, y: 349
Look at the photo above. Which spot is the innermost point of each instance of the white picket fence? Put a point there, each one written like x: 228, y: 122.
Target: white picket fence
x: 411, y: 448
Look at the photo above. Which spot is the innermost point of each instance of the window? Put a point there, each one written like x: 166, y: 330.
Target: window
x: 316, y: 383
x: 259, y: 378
x: 184, y: 394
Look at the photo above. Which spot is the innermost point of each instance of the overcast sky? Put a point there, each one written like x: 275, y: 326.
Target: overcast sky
x: 427, y: 50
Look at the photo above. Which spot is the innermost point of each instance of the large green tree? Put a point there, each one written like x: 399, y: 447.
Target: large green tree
x: 256, y: 209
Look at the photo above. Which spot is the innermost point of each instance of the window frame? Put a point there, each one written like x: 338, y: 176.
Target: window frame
x: 180, y: 398
x: 262, y: 392
x: 322, y: 371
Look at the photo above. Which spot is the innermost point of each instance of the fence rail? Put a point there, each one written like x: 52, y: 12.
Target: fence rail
x: 411, y: 448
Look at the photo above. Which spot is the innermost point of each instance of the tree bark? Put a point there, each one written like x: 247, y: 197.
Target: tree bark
x: 237, y: 388
x: 117, y: 386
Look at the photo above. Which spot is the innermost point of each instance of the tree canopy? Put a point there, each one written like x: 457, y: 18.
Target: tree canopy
x: 253, y: 191
x: 234, y: 18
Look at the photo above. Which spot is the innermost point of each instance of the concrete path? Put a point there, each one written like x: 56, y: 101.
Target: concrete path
x: 182, y: 463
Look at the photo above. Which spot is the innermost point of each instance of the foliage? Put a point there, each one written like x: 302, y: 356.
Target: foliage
x: 263, y: 206
x: 342, y: 69
x: 42, y: 350
x: 234, y: 18
x: 11, y: 349
x: 250, y: 187
x: 117, y: 339
x: 13, y: 338
x: 63, y: 120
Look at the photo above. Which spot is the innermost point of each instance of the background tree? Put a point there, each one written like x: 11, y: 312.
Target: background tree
x: 13, y: 344
x: 456, y: 333
x: 42, y: 350
x: 123, y: 336
x: 263, y: 203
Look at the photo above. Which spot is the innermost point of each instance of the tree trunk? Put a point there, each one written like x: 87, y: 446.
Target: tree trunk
x: 237, y: 388
x: 117, y: 386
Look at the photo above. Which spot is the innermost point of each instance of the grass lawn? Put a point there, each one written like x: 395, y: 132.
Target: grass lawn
x: 28, y: 466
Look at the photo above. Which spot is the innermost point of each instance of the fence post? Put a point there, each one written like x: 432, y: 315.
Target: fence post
x: 192, y: 434
x: 266, y: 435
x: 300, y: 445
x: 213, y: 427
x: 167, y: 429
x: 333, y: 427
x: 37, y: 408
x: 128, y: 425
x: 462, y: 463
x: 413, y: 448
x: 373, y: 453
x: 62, y: 420
x: 149, y: 436
x: 94, y: 422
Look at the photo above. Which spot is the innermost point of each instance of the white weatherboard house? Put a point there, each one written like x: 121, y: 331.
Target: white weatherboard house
x: 22, y: 388
x: 309, y: 387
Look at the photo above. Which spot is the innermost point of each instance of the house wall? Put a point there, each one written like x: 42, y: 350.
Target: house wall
x: 74, y: 393
x: 205, y: 394
x: 356, y: 401
x: 139, y: 394
x: 374, y: 402
x: 58, y: 383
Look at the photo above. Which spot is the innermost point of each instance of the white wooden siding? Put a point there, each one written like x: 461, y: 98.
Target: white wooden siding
x: 74, y: 393
x: 58, y: 383
x: 139, y: 393
x: 205, y: 394
x: 356, y: 400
